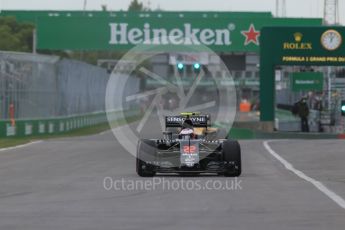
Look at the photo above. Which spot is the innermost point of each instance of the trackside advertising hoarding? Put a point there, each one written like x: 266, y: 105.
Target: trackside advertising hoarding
x: 305, y: 81
x: 225, y: 34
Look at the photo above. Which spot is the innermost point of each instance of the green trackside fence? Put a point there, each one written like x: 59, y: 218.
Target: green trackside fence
x: 53, y: 126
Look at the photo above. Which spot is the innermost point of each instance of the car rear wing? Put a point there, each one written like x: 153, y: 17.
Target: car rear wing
x: 176, y: 121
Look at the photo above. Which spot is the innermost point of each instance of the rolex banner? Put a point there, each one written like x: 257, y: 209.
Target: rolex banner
x: 123, y: 33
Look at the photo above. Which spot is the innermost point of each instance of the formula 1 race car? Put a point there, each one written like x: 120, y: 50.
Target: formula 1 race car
x: 188, y: 148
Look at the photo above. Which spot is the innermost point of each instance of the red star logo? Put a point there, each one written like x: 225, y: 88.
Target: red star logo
x: 251, y: 35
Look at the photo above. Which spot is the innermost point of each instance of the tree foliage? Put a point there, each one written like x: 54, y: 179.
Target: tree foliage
x: 135, y: 5
x: 15, y: 36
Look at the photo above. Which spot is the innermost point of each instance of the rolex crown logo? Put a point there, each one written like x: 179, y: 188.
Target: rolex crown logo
x: 298, y: 37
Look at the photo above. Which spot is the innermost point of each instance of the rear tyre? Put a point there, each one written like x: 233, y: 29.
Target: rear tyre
x: 146, y: 152
x: 232, y: 155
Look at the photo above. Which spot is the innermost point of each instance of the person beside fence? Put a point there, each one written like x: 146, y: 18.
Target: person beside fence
x: 301, y: 109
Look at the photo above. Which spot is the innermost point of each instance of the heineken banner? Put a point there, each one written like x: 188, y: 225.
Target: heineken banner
x: 305, y: 81
x: 122, y: 33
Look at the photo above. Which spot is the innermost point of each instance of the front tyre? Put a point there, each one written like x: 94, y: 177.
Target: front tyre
x: 146, y: 152
x: 232, y: 157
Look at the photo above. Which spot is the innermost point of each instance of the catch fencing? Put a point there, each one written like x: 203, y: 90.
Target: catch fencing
x: 41, y: 94
x: 42, y: 86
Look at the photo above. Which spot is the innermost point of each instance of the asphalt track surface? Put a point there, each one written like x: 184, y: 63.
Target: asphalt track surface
x: 59, y: 184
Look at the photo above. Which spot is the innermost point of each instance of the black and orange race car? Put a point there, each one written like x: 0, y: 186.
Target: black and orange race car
x: 188, y: 147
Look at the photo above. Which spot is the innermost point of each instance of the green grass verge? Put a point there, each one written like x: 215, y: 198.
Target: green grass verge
x: 248, y: 134
x: 13, y: 141
x: 9, y: 142
x: 241, y: 133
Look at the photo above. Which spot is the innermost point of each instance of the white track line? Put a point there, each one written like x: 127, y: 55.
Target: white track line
x: 335, y: 197
x: 104, y: 132
x: 19, y: 146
